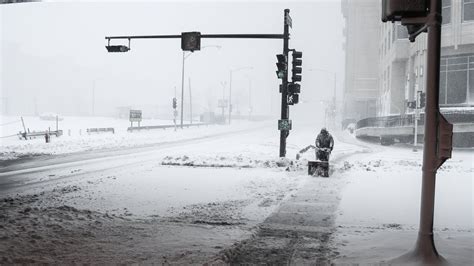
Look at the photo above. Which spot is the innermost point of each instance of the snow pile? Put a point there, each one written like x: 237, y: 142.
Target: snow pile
x: 41, y: 231
x: 384, y: 165
x: 233, y: 162
x: 225, y: 213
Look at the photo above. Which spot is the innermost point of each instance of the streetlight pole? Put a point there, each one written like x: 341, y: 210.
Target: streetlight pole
x: 182, y: 78
x: 335, y: 79
x: 182, y: 90
x: 250, y: 98
x: 335, y: 84
x: 230, y: 88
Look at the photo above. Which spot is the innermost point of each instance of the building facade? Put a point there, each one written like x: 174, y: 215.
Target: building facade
x: 400, y: 66
x: 403, y: 64
x: 362, y: 19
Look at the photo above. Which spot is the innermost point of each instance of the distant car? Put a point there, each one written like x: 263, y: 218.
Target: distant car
x: 50, y: 116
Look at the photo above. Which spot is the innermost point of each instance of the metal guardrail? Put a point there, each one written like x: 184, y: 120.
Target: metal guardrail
x: 101, y: 130
x: 26, y: 135
x: 166, y: 126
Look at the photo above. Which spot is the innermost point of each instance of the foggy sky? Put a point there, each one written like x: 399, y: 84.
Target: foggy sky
x: 53, y: 53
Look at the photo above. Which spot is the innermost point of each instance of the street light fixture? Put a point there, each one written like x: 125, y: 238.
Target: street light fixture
x: 182, y: 78
x: 230, y: 87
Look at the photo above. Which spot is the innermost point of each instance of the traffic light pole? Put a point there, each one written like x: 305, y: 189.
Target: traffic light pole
x: 425, y: 246
x: 285, y: 36
x: 284, y: 83
x: 436, y: 148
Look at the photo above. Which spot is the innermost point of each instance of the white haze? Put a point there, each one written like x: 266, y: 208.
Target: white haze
x: 53, y: 52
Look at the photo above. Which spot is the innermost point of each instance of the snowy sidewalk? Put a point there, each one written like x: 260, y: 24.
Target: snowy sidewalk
x: 366, y: 212
x: 300, y: 232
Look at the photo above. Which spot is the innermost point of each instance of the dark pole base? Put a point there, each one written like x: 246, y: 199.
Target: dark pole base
x: 424, y: 253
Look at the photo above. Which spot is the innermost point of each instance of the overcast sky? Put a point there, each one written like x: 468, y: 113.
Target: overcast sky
x: 53, y: 52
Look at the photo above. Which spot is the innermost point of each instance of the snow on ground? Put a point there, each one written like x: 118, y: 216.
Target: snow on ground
x: 125, y: 205
x: 379, y: 211
x: 187, y: 202
x: 12, y: 147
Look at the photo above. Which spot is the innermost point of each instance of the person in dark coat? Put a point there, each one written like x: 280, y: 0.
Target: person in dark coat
x: 324, y: 145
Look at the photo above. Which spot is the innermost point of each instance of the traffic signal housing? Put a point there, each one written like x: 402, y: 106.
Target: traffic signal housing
x: 175, y: 103
x: 191, y: 41
x: 282, y: 65
x: 293, y: 99
x: 296, y: 70
x: 293, y: 90
x: 422, y: 100
x: 395, y: 10
x: 117, y: 48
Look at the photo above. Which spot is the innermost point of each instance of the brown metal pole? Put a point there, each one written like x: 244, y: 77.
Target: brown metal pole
x: 425, y: 251
x: 425, y: 244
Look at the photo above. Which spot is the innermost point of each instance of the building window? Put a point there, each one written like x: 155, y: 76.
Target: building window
x: 468, y: 10
x: 446, y: 12
x: 456, y: 80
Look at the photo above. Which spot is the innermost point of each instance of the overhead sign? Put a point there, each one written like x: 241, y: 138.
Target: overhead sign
x: 284, y: 124
x: 288, y: 20
x: 135, y: 115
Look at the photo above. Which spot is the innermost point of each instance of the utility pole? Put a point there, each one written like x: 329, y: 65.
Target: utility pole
x: 250, y: 98
x: 284, y: 82
x: 222, y: 102
x: 230, y: 96
x: 93, y: 98
x: 230, y: 87
x: 36, y: 105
